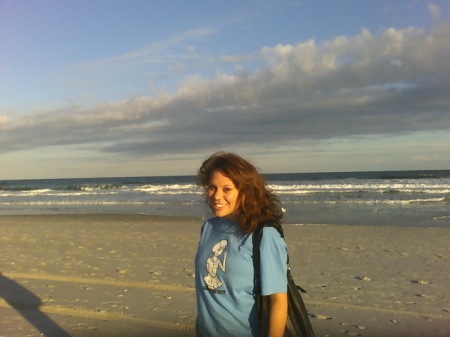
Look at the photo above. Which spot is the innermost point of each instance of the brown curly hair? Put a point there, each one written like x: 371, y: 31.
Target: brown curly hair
x: 255, y: 201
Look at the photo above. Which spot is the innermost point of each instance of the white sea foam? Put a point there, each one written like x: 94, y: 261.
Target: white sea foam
x: 370, y: 188
x: 441, y: 217
x: 310, y: 199
x: 368, y: 202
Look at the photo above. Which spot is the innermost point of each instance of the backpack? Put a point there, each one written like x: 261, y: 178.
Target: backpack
x: 298, y: 323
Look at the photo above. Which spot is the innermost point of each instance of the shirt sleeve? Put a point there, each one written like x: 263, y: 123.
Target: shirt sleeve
x: 273, y: 250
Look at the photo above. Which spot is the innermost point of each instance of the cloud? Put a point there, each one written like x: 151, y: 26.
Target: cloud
x: 4, y: 119
x: 236, y: 59
x: 389, y: 84
x: 435, y: 11
x: 154, y: 53
x: 143, y: 53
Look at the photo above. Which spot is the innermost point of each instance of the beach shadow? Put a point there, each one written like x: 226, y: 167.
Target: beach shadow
x: 27, y: 304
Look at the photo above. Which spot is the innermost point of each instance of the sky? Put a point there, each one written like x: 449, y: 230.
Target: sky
x: 147, y: 88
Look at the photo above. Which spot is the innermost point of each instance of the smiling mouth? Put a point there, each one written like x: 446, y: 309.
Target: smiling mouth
x: 219, y: 206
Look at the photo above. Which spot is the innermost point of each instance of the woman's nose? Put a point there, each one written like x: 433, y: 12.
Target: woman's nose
x: 217, y: 194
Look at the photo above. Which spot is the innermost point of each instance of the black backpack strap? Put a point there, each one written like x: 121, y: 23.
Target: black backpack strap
x: 298, y: 324
x: 262, y: 302
x: 257, y: 235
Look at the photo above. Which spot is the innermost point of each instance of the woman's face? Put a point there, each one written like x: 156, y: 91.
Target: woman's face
x: 222, y: 195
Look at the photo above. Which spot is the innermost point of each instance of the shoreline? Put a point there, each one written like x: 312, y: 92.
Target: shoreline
x: 200, y: 219
x: 132, y: 274
x: 109, y: 216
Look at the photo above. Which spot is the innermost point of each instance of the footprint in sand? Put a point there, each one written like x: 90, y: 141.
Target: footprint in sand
x: 321, y: 317
x: 423, y: 295
x: 350, y: 333
x: 420, y: 282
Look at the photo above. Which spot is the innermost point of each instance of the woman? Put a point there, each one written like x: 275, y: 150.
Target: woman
x: 224, y: 278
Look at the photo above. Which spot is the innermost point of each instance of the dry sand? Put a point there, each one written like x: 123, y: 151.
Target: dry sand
x: 132, y: 275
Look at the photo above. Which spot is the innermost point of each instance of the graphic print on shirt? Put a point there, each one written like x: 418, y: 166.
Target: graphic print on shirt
x: 213, y: 264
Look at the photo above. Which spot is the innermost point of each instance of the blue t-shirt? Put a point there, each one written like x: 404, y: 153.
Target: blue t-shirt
x: 224, y: 277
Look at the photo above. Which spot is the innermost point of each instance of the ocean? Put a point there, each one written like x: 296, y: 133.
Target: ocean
x: 397, y: 198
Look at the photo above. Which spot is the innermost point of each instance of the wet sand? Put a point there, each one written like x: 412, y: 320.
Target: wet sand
x: 133, y: 275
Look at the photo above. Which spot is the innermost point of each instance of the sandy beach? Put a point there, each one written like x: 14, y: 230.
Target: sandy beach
x: 133, y: 275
